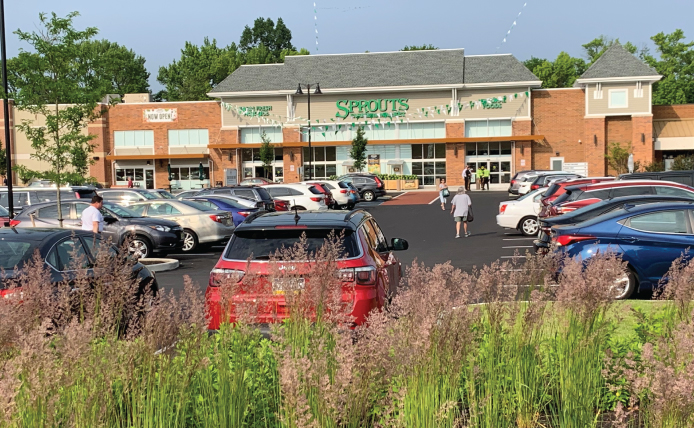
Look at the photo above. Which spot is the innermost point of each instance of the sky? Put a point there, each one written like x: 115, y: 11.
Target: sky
x: 158, y: 29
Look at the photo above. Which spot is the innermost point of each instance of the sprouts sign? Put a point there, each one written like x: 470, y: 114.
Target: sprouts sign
x: 255, y: 111
x: 382, y: 107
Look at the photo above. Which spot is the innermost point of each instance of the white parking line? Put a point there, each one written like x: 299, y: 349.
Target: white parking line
x: 519, y: 239
x: 398, y: 196
x: 520, y: 246
x: 433, y: 201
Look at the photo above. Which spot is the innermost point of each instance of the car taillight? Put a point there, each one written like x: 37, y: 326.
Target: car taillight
x: 218, y: 218
x: 244, y: 213
x: 352, y: 191
x: 534, y: 187
x: 343, y: 191
x: 316, y: 199
x: 379, y: 183
x: 362, y: 275
x: 513, y: 182
x: 14, y: 223
x: 502, y: 209
x: 564, y: 240
x: 563, y: 210
x: 219, y: 277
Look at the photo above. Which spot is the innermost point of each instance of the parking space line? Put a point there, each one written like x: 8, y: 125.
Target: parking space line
x: 396, y: 197
x: 519, y: 239
x: 520, y: 246
x: 433, y: 201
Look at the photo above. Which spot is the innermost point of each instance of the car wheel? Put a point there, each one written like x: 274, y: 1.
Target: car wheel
x: 625, y: 285
x: 369, y: 196
x: 529, y: 226
x: 190, y: 240
x: 140, y: 247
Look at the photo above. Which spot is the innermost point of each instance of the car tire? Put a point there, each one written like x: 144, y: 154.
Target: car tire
x: 625, y: 285
x: 141, y: 247
x: 529, y: 226
x: 190, y: 241
x: 369, y: 196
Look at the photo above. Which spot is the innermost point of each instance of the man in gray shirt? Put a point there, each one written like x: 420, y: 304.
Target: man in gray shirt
x: 459, y: 210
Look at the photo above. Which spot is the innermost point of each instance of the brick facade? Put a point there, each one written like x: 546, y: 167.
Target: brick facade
x: 292, y: 156
x: 455, y: 154
x: 595, y: 147
x: 523, y: 150
x: 681, y: 111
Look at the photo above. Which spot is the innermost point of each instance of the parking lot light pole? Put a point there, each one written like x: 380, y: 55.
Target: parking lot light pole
x: 310, y: 150
x: 6, y: 111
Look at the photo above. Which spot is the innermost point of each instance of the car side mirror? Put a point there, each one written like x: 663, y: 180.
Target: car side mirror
x: 110, y: 220
x: 399, y: 244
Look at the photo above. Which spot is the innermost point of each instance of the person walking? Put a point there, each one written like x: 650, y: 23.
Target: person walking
x: 92, y: 219
x: 130, y: 183
x: 443, y: 193
x: 485, y: 177
x: 467, y: 175
x: 460, y: 206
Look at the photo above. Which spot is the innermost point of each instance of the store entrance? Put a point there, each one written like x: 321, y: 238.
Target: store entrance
x: 496, y: 157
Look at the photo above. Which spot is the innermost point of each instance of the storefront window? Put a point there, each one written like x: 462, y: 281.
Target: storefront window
x: 471, y: 149
x: 482, y: 149
x: 494, y: 148
x: 417, y: 151
x: 506, y: 147
x: 323, y: 163
x: 330, y: 154
x: 278, y: 155
x: 440, y: 151
x: 434, y: 167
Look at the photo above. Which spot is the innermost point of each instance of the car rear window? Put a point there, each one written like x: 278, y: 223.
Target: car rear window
x: 264, y: 195
x: 261, y: 244
x: 314, y: 190
x: 149, y: 195
x: 4, y: 212
x: 85, y: 193
x: 595, y: 194
x: 196, y: 205
x: 343, y: 185
x: 13, y: 253
x: 551, y: 190
x: 569, y: 196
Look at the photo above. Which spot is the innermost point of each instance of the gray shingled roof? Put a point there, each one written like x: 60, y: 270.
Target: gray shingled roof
x: 618, y: 62
x: 436, y: 67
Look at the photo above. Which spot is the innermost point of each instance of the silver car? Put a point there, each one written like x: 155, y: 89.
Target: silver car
x: 201, y: 224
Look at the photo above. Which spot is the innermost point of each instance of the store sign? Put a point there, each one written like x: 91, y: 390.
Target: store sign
x: 255, y: 111
x: 493, y: 103
x: 160, y: 115
x: 383, y: 107
x: 230, y: 176
x: 374, y: 164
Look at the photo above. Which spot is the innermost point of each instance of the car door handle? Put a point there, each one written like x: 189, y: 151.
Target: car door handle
x: 630, y: 240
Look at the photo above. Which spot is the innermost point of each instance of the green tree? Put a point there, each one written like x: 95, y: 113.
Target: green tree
x: 358, y: 151
x: 596, y: 47
x: 55, y: 72
x: 276, y: 38
x: 618, y: 157
x: 676, y: 64
x: 428, y: 47
x: 562, y: 73
x: 651, y: 167
x: 122, y: 69
x: 533, y: 62
x: 3, y: 163
x: 683, y: 163
x: 267, y: 153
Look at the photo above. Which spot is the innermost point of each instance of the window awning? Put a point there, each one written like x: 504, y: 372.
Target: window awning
x: 396, y: 162
x: 348, y: 163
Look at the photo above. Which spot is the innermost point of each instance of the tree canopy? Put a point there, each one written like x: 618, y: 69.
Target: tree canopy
x: 428, y: 47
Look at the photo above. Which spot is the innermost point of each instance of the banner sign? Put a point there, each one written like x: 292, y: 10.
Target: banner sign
x: 255, y: 111
x: 383, y: 107
x: 160, y: 115
x: 374, y: 164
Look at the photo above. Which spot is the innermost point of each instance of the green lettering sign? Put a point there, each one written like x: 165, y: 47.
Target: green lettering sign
x: 255, y: 111
x: 375, y: 108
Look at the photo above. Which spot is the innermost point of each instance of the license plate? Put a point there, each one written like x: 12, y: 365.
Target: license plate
x: 282, y: 285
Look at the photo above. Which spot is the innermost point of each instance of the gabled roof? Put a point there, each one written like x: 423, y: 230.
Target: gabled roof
x: 617, y: 62
x: 388, y: 69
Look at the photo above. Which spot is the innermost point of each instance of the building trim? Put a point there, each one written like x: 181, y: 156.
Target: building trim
x: 619, y: 79
x: 559, y: 89
x: 158, y: 156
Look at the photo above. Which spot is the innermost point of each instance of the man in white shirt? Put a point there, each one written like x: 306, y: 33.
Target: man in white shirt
x: 460, y: 206
x: 91, y: 216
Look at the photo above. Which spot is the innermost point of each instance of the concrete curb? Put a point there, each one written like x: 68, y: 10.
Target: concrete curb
x: 160, y: 265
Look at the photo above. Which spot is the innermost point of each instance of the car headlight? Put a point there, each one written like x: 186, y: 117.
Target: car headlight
x: 161, y: 228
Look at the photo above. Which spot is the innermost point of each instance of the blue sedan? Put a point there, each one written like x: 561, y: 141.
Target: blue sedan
x: 238, y: 211
x: 648, y: 237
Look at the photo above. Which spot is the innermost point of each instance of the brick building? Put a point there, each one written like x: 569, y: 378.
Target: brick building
x: 425, y: 113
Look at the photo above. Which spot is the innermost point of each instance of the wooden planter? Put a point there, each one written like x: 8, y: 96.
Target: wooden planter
x: 391, y: 184
x: 410, y: 184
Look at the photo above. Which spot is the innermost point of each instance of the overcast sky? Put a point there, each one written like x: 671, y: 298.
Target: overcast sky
x: 157, y: 29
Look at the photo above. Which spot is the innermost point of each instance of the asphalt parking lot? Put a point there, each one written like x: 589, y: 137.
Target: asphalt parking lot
x: 429, y: 231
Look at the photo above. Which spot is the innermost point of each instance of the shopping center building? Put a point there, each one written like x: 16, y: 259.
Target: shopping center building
x: 425, y: 113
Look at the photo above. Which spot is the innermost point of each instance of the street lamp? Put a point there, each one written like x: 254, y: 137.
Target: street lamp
x: 310, y: 150
x: 6, y: 111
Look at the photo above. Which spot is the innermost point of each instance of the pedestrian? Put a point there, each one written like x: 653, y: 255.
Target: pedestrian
x: 4, y: 182
x: 130, y: 183
x: 443, y: 193
x: 467, y: 175
x: 460, y: 206
x: 485, y: 177
x: 92, y: 219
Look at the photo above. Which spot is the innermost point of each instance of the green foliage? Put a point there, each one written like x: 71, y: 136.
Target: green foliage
x: 618, y: 157
x: 676, y: 64
x: 683, y: 163
x: 275, y: 38
x: 396, y: 177
x: 561, y: 73
x: 3, y: 162
x: 651, y: 167
x: 267, y: 153
x: 596, y: 47
x: 122, y: 70
x: 428, y: 47
x: 533, y: 62
x: 358, y: 151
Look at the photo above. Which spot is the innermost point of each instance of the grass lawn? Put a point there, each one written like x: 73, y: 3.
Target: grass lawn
x: 626, y: 320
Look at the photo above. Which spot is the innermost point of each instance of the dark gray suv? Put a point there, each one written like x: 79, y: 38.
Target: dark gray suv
x: 369, y: 186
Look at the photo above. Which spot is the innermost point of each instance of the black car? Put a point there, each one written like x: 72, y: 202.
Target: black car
x: 149, y: 235
x: 369, y: 186
x: 682, y: 177
x: 57, y: 247
x: 254, y: 193
x: 594, y: 210
x: 26, y: 196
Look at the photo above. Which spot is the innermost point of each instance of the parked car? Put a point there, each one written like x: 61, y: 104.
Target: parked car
x: 163, y: 193
x: 127, y: 197
x: 369, y: 186
x: 370, y: 271
x: 186, y: 194
x: 255, y: 193
x: 518, y: 177
x: 321, y: 187
x: 299, y: 196
x: 558, y: 188
x: 576, y: 197
x: 682, y: 177
x: 647, y: 237
x: 201, y: 224
x: 341, y: 193
x: 533, y: 182
x: 150, y: 236
x: 521, y: 214
x: 238, y: 211
x: 589, y: 212
x: 56, y: 247
x: 281, y: 205
x: 26, y: 196
x: 255, y: 181
x: 4, y: 217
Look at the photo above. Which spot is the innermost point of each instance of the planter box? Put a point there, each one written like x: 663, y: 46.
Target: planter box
x: 410, y: 184
x: 391, y: 184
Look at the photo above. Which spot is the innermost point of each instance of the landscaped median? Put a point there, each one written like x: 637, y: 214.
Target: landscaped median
x: 565, y: 356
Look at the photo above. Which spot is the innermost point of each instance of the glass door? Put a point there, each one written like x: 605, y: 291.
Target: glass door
x: 149, y: 178
x: 279, y: 174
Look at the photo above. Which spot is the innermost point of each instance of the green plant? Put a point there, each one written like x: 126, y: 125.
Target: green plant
x: 267, y: 153
x: 618, y: 157
x: 683, y: 163
x: 358, y: 151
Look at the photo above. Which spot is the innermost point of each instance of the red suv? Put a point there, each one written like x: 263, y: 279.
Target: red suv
x: 558, y: 188
x: 369, y: 271
x: 576, y: 197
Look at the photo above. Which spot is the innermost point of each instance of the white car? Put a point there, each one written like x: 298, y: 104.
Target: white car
x: 301, y: 196
x: 339, y: 190
x: 526, y: 184
x: 522, y: 213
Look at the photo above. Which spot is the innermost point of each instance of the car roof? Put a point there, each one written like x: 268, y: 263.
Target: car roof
x: 40, y: 205
x: 655, y: 206
x: 622, y: 183
x: 309, y: 219
x: 240, y: 186
x: 37, y: 234
x: 299, y: 185
x: 124, y: 189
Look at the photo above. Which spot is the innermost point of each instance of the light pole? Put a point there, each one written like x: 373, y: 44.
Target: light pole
x: 310, y: 150
x: 6, y: 112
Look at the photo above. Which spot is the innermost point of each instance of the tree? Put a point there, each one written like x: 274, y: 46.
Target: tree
x: 58, y: 71
x: 618, y: 157
x: 267, y: 153
x: 676, y: 64
x: 122, y: 69
x: 533, y: 63
x: 683, y: 163
x: 3, y: 163
x: 276, y: 38
x: 596, y: 47
x: 358, y: 151
x: 428, y: 47
x: 562, y: 73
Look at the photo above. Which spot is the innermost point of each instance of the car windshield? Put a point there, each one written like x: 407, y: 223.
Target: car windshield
x: 13, y: 253
x: 264, y: 195
x: 149, y: 195
x: 120, y: 211
x: 197, y: 206
x: 166, y: 195
x: 529, y: 194
x: 4, y: 212
x: 261, y: 244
